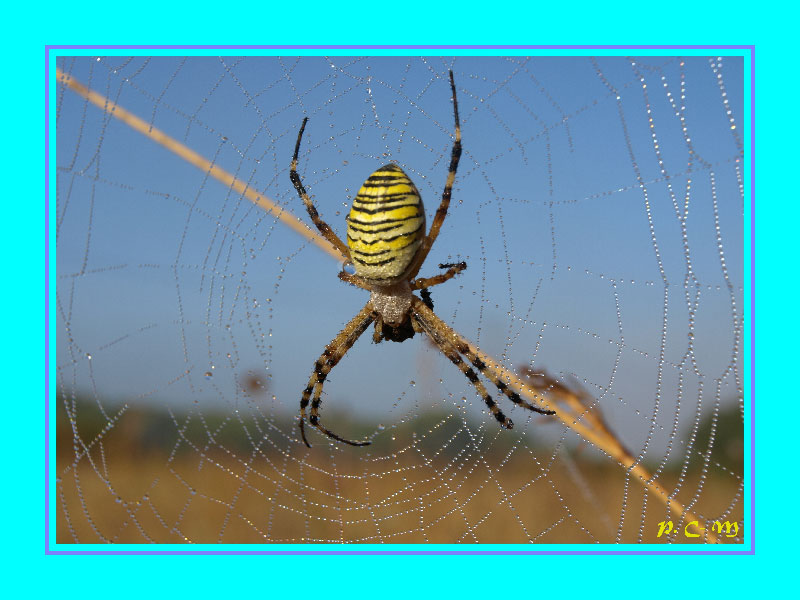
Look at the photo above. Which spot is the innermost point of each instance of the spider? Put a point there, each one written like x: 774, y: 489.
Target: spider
x: 386, y: 245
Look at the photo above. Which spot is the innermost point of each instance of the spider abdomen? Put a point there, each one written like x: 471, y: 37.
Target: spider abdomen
x: 386, y: 225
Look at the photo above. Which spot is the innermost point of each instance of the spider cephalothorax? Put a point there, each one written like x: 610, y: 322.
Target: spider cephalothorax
x: 398, y: 302
x: 387, y: 244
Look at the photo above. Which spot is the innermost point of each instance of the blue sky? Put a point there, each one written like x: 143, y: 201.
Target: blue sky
x: 561, y: 208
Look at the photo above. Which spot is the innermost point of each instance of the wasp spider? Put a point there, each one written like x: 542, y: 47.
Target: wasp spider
x: 386, y: 244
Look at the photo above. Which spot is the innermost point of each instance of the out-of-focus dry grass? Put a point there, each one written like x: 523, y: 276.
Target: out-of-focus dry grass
x: 127, y: 491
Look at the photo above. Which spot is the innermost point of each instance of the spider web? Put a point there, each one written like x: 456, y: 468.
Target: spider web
x: 599, y: 205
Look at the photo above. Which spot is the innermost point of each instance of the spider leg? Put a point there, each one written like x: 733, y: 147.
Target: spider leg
x: 330, y: 357
x: 314, y: 420
x: 427, y: 299
x: 501, y: 385
x: 450, y: 351
x: 354, y: 280
x: 488, y: 371
x: 452, y: 271
x: 415, y: 324
x: 323, y: 227
x: 424, y: 283
x: 377, y: 335
x: 441, y: 212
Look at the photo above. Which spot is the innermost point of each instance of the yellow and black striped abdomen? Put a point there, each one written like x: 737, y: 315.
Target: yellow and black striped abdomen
x: 386, y: 224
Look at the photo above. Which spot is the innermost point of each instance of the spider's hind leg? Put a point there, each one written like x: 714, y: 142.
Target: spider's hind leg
x: 323, y: 227
x: 441, y: 212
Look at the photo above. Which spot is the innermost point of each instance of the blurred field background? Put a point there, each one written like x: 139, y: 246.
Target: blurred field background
x: 175, y: 478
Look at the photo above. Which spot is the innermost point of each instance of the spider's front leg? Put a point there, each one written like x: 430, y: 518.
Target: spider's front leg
x: 438, y: 329
x: 331, y: 356
x: 451, y: 352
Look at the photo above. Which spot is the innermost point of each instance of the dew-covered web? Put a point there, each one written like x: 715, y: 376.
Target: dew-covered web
x: 599, y: 205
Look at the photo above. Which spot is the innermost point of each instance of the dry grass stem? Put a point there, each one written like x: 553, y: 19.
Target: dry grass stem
x: 577, y: 412
x: 192, y: 157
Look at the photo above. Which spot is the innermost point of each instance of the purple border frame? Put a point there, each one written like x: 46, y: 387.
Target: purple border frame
x: 748, y: 47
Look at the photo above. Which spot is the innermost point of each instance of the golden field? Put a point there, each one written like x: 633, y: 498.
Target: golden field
x: 211, y: 479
